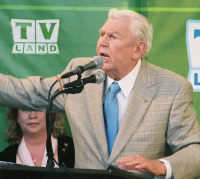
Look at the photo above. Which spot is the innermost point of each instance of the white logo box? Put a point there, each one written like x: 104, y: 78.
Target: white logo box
x: 193, y: 49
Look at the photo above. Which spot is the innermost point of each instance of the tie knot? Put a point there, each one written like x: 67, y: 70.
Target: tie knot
x: 114, y: 88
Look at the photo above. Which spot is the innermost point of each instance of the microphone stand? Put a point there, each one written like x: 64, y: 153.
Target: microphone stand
x: 69, y: 88
x: 65, y: 76
x: 50, y: 121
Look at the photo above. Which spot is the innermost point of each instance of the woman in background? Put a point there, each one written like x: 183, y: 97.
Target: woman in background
x: 27, y: 136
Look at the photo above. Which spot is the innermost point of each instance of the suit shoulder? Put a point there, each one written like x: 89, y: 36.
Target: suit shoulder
x: 63, y: 139
x: 66, y: 153
x: 65, y: 142
x: 163, y: 75
x: 9, y: 153
x: 10, y: 148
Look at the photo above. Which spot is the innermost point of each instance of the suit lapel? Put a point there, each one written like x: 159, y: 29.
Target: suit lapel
x: 94, y: 97
x: 140, y: 98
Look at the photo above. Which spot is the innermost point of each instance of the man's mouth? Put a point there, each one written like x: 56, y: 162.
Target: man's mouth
x: 104, y: 55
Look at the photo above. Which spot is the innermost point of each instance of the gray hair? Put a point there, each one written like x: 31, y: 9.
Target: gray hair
x: 140, y: 25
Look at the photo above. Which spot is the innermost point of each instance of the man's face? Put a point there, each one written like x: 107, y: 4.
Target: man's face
x: 116, y: 46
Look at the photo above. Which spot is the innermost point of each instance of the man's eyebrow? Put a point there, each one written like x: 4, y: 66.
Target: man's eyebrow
x: 110, y: 32
x: 100, y: 30
x: 115, y: 32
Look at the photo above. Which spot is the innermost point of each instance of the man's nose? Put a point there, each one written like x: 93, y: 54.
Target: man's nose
x: 103, y: 41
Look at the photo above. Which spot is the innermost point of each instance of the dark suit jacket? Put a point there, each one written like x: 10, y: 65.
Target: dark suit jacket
x: 65, y: 152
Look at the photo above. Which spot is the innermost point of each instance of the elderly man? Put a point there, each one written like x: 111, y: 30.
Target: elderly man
x: 140, y: 119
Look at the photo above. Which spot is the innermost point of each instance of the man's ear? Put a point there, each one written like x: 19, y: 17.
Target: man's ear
x: 139, y: 49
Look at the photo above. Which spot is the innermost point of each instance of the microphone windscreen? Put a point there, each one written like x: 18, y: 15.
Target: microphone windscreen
x: 99, y: 61
x: 100, y: 77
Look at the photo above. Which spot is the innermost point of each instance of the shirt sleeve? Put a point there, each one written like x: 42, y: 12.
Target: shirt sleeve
x: 168, y: 170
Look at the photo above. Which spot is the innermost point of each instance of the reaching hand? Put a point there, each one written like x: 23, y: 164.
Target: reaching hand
x: 139, y: 163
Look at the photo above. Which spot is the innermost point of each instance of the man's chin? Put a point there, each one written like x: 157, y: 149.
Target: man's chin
x: 106, y: 67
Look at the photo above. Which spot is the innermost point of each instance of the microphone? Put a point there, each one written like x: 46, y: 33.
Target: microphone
x: 97, y: 77
x: 96, y: 63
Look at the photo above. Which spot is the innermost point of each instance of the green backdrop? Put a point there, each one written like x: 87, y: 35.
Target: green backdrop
x: 79, y: 22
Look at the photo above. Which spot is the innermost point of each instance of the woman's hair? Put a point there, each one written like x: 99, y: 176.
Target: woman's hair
x: 14, y: 133
x: 140, y: 26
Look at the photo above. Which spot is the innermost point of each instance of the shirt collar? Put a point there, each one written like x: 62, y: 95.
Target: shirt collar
x: 126, y: 84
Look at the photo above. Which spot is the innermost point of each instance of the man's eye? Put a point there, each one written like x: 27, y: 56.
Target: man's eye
x: 113, y: 36
x: 102, y: 34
